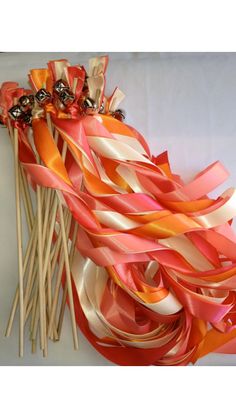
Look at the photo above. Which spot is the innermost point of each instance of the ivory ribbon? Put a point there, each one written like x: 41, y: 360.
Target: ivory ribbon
x: 155, y: 267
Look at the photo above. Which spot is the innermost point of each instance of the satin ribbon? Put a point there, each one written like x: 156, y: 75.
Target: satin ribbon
x: 155, y: 265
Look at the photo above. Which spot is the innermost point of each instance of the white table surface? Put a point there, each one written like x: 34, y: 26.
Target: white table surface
x: 185, y: 103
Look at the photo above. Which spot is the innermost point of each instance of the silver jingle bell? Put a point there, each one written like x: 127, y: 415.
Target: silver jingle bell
x: 89, y: 106
x: 119, y: 114
x: 15, y: 112
x: 66, y: 97
x: 60, y: 86
x: 43, y: 97
x: 27, y: 118
x: 25, y: 103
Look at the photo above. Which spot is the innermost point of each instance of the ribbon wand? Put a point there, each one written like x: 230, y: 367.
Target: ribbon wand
x: 42, y: 97
x: 19, y: 240
x: 24, y: 192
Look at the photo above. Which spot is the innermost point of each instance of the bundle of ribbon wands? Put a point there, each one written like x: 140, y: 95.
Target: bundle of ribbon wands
x: 145, y: 262
x: 52, y: 229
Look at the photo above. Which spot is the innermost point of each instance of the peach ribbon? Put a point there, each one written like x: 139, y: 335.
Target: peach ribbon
x: 155, y: 262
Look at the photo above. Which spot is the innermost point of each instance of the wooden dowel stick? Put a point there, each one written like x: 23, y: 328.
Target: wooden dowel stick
x: 36, y: 320
x: 19, y: 241
x: 39, y: 295
x: 30, y: 244
x: 67, y: 264
x: 30, y: 253
x: 29, y: 308
x: 63, y: 305
x: 68, y: 278
x: 27, y: 215
x: 46, y: 214
x: 31, y: 274
x: 12, y: 313
x: 40, y: 272
x: 49, y: 290
x: 56, y: 295
x: 58, y: 279
x: 49, y: 238
x: 55, y: 253
x: 33, y: 346
x: 16, y: 297
x: 27, y: 195
x: 24, y: 186
x: 35, y: 297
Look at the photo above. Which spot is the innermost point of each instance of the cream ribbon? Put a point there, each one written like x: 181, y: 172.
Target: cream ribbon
x: 90, y: 281
x: 220, y: 215
x: 115, y: 150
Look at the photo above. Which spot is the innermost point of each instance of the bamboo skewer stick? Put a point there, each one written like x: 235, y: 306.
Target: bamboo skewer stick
x: 28, y: 197
x: 29, y: 308
x: 27, y: 215
x: 49, y: 287
x: 40, y: 272
x: 36, y: 319
x: 24, y: 186
x: 47, y: 262
x: 46, y: 214
x: 19, y: 240
x: 31, y: 274
x: 65, y: 290
x: 20, y: 187
x: 30, y: 244
x: 58, y: 280
x: 55, y: 252
x: 72, y: 250
x: 63, y: 305
x: 68, y: 279
x: 36, y: 295
x: 65, y: 247
x: 12, y: 313
x: 34, y: 308
x: 49, y: 240
x: 39, y: 293
x: 19, y: 294
x: 16, y: 298
x: 30, y: 252
x: 54, y: 256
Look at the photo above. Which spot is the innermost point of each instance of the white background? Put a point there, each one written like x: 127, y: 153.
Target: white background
x: 182, y: 102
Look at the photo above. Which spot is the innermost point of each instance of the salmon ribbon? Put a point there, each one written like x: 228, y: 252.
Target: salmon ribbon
x: 154, y: 271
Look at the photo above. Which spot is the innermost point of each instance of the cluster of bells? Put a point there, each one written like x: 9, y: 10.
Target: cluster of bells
x: 23, y: 110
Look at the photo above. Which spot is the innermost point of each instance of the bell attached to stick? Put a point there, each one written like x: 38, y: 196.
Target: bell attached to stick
x: 89, y: 106
x: 43, y: 97
x: 27, y: 118
x: 15, y: 112
x: 25, y: 102
x: 66, y: 97
x: 119, y: 114
x: 60, y: 86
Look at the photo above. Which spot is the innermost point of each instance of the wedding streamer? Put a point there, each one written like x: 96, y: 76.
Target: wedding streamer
x: 147, y: 263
